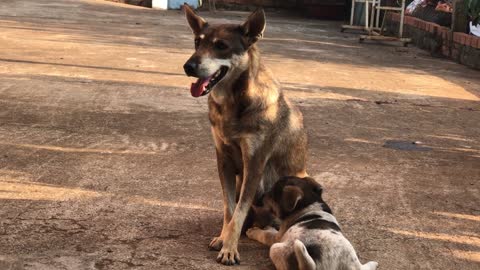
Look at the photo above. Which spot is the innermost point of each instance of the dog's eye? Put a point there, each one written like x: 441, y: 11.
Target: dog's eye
x: 197, y: 43
x: 220, y: 45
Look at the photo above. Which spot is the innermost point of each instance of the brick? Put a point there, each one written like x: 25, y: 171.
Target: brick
x: 444, y: 34
x: 446, y: 51
x: 427, y: 26
x: 395, y: 17
x: 463, y: 39
x: 411, y: 21
x: 456, y: 37
x: 455, y: 54
x: 470, y: 42
x: 408, y: 20
x: 476, y: 42
x: 449, y: 34
x: 473, y: 40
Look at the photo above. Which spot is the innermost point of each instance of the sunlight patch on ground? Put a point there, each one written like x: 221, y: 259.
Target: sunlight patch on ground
x: 154, y: 202
x: 473, y: 256
x: 459, y: 239
x: 360, y: 140
x: 347, y: 79
x: 459, y: 149
x: 459, y: 216
x: 451, y: 137
x: 317, y: 95
x: 315, y: 42
x: 12, y: 190
x: 21, y: 188
x: 79, y: 150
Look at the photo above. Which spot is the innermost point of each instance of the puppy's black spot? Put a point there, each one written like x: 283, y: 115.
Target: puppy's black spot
x: 326, y: 208
x: 319, y: 224
x: 315, y: 251
x: 308, y: 218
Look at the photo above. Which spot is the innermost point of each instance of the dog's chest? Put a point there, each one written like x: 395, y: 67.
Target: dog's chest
x: 226, y: 123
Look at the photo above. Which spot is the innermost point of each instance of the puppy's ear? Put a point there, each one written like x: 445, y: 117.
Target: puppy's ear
x: 196, y: 22
x: 254, y: 26
x: 317, y: 188
x: 290, y: 197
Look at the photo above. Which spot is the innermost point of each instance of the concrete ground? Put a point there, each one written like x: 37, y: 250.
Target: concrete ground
x: 106, y: 161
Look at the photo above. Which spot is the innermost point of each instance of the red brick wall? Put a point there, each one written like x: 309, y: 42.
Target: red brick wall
x: 263, y: 3
x: 440, y: 40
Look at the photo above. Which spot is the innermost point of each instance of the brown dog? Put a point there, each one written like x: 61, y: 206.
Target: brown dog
x: 258, y: 134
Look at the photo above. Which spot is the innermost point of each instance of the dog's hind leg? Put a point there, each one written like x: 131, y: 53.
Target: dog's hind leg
x: 279, y: 253
x: 305, y: 261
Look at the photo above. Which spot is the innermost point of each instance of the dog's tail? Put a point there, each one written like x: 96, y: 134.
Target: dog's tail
x: 305, y: 261
x: 369, y: 266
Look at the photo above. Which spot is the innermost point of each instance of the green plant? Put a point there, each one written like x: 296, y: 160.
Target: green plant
x: 473, y: 10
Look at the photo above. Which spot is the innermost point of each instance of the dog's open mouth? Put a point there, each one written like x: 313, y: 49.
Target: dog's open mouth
x: 203, y: 86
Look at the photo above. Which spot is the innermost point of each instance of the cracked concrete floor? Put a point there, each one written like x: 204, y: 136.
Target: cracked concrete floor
x: 106, y: 161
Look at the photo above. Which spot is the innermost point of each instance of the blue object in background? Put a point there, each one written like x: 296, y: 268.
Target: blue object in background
x: 175, y: 4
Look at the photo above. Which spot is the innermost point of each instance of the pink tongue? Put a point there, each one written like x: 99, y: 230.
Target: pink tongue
x: 197, y: 88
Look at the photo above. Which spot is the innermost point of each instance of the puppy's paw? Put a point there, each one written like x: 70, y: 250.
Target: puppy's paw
x: 216, y: 243
x: 228, y: 256
x: 253, y: 233
x: 370, y: 265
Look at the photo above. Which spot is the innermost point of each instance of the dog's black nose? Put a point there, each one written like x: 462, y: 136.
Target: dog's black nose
x: 190, y: 67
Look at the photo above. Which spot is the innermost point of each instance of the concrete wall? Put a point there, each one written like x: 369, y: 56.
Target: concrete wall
x: 439, y: 40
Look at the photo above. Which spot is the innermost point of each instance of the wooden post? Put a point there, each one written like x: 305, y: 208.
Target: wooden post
x: 459, y: 17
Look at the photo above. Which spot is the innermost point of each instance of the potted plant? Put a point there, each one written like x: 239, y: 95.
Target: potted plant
x: 473, y: 10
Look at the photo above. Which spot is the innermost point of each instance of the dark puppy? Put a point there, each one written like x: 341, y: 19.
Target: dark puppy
x: 309, y: 236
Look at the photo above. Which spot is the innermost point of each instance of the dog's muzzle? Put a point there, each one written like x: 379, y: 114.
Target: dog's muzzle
x: 190, y: 68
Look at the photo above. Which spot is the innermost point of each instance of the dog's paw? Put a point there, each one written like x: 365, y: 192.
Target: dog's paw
x: 252, y: 233
x: 216, y: 244
x: 228, y: 256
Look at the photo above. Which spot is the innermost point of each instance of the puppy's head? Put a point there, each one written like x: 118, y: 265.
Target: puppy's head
x: 220, y: 50
x: 292, y: 194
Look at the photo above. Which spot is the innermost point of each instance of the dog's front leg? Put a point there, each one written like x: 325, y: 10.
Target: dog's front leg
x: 227, y: 175
x: 254, y: 156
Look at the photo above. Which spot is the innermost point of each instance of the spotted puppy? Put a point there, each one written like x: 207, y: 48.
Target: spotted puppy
x: 309, y: 236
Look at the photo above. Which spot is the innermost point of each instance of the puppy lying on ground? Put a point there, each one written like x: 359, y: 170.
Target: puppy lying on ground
x: 309, y: 236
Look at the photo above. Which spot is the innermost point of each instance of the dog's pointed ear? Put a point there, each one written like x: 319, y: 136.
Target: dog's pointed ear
x: 290, y: 197
x: 196, y: 22
x: 254, y: 26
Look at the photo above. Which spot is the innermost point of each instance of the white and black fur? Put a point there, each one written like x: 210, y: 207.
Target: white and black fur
x: 309, y: 236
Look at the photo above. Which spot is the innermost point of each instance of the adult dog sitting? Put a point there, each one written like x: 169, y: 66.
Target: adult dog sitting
x: 258, y: 134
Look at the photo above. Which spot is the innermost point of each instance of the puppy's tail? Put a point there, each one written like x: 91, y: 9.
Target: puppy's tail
x: 305, y: 261
x: 369, y: 266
